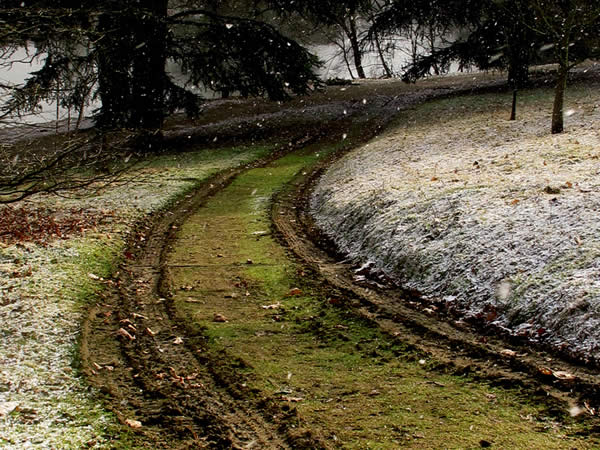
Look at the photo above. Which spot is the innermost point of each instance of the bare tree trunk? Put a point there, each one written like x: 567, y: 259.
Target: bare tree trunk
x: 353, y: 36
x: 348, y: 66
x: 559, y: 98
x: 513, y: 110
x: 80, y: 115
x: 386, y: 67
x: 57, y: 105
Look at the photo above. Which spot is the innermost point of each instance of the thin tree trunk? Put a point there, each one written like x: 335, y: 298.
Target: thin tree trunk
x: 513, y: 111
x: 559, y: 99
x: 353, y: 36
x: 386, y: 67
x: 345, y: 55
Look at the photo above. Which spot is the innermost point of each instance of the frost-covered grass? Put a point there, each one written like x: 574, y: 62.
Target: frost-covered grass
x: 45, y: 287
x: 497, y: 218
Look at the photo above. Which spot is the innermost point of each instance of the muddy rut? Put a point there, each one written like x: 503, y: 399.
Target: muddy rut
x: 163, y: 383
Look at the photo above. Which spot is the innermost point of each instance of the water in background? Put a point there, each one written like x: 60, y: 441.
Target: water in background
x: 334, y: 66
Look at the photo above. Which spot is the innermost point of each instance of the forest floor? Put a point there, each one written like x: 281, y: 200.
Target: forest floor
x: 204, y: 325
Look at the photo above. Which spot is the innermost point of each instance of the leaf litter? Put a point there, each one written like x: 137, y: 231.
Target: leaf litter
x: 496, y: 220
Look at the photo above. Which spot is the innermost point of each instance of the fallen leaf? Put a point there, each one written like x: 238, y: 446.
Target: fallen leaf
x: 94, y: 276
x: 565, y: 376
x: 515, y: 202
x: 509, y: 353
x: 591, y: 410
x: 178, y: 340
x: 133, y: 423
x: 219, y: 318
x: 7, y: 407
x: 273, y: 306
x: 294, y: 291
x: 545, y: 371
x: 285, y: 398
x: 124, y: 333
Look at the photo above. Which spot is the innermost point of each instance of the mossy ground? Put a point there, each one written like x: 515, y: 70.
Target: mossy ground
x: 351, y: 384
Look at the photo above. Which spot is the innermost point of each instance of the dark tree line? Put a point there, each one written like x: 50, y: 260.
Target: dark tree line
x: 124, y: 47
x: 116, y: 52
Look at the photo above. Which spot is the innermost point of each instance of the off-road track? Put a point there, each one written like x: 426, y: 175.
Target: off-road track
x: 155, y: 370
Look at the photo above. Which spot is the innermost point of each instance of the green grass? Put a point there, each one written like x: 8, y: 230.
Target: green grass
x: 357, y: 387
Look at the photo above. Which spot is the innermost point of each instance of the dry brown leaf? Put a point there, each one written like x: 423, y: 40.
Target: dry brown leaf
x: 508, y: 352
x: 286, y: 398
x: 124, y: 333
x: 545, y: 371
x: 219, y: 318
x: 565, y: 376
x: 133, y: 423
x: 294, y: 291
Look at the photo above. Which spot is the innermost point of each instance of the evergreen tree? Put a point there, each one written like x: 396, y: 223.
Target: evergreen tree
x: 126, y: 45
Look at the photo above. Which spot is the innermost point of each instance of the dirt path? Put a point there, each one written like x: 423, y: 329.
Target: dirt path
x: 180, y: 367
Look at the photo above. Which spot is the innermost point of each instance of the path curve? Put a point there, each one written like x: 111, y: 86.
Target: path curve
x: 158, y: 378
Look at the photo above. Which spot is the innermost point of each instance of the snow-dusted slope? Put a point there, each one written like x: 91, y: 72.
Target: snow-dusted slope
x: 498, y: 218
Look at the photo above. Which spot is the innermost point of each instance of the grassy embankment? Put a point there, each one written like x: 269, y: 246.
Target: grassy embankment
x: 497, y: 217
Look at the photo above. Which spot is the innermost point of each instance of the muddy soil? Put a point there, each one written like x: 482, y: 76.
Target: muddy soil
x: 155, y: 370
